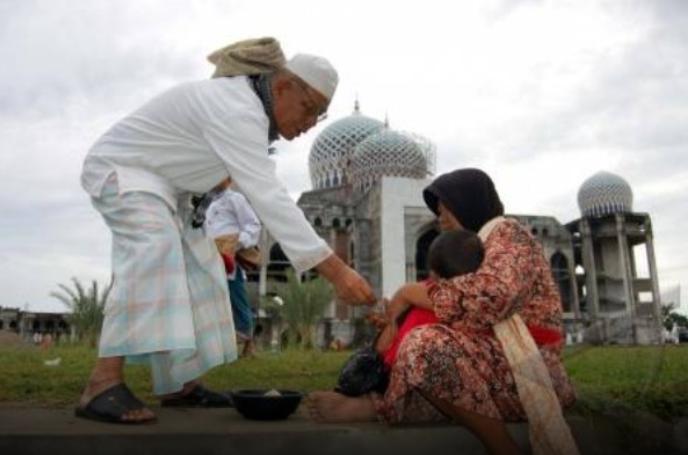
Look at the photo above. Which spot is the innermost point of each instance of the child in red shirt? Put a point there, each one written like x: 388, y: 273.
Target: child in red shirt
x: 452, y: 253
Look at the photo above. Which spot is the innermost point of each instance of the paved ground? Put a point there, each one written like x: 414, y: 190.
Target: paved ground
x: 50, y: 431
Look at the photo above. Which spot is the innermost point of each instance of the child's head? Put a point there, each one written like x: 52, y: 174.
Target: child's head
x: 455, y: 253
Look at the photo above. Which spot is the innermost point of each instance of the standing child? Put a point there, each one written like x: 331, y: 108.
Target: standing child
x: 233, y: 224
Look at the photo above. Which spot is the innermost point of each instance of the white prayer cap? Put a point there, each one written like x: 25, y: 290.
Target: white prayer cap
x: 316, y: 72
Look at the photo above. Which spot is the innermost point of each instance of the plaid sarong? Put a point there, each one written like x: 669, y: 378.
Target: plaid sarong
x: 169, y: 305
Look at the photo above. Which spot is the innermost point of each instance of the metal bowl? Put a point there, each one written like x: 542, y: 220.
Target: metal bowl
x: 255, y: 405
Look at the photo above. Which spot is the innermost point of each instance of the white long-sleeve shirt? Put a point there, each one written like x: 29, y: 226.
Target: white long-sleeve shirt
x: 230, y: 213
x: 191, y: 137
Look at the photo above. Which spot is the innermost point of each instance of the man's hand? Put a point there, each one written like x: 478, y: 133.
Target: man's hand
x: 350, y: 287
x: 377, y: 319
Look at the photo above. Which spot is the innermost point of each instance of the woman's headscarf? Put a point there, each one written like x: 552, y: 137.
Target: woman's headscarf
x: 469, y: 194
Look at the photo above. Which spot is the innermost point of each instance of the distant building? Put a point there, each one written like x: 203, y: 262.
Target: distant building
x: 26, y: 323
x: 619, y: 305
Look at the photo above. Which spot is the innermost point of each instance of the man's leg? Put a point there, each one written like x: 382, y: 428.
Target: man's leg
x: 109, y: 371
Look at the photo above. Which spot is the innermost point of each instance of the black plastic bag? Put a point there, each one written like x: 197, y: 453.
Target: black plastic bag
x: 362, y: 373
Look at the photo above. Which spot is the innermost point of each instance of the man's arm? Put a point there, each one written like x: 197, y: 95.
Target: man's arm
x: 348, y: 284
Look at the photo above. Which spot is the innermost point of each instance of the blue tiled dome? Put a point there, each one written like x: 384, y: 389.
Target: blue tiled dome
x: 333, y: 149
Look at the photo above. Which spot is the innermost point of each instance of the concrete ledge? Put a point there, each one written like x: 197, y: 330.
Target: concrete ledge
x: 191, y: 431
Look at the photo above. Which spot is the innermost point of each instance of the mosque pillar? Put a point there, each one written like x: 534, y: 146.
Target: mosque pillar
x: 588, y: 256
x: 625, y: 270
x: 575, y: 301
x: 652, y: 266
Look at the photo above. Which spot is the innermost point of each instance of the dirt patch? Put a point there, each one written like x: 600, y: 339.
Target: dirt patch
x: 10, y: 338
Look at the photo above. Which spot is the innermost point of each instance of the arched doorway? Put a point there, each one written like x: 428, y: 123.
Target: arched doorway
x: 422, y: 245
x: 278, y: 265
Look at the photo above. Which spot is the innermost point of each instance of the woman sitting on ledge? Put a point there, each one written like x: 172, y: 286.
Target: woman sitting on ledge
x: 461, y: 368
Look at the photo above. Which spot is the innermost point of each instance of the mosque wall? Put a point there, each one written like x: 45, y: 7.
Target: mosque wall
x: 399, y: 197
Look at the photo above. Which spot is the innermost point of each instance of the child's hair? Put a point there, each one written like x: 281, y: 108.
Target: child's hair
x: 455, y: 253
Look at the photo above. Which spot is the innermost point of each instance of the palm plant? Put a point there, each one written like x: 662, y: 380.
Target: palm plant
x: 87, y: 308
x: 304, y: 304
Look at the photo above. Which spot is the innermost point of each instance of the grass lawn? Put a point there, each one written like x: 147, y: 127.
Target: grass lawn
x: 651, y: 379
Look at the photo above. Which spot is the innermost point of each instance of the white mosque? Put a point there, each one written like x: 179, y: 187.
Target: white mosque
x: 366, y: 201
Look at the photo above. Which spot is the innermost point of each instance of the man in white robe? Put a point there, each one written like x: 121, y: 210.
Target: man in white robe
x: 169, y: 304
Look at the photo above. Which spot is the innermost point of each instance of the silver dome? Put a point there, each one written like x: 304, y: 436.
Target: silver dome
x: 333, y: 149
x: 603, y: 194
x: 387, y: 153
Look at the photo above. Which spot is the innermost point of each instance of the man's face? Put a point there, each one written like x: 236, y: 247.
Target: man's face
x: 297, y: 107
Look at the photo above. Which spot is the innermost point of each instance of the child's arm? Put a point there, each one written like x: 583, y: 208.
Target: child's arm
x: 414, y: 294
x: 386, y: 338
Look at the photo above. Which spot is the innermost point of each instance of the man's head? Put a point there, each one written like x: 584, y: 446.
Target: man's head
x: 301, y: 92
x: 454, y: 253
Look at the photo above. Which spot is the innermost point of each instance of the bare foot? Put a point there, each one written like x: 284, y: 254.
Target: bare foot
x: 333, y: 407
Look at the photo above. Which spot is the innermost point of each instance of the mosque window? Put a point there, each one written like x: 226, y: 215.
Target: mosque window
x: 317, y: 222
x: 336, y: 223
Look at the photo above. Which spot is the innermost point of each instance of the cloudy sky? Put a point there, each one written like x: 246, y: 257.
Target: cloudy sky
x: 541, y: 94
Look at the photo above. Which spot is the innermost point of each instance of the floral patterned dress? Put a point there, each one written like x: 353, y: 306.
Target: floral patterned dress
x: 459, y: 360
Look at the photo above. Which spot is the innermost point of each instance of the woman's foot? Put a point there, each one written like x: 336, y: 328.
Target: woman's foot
x: 333, y: 407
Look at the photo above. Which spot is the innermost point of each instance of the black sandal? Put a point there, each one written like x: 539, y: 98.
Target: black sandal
x: 111, y: 405
x: 200, y: 397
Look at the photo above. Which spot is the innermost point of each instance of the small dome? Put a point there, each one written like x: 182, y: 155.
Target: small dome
x: 333, y: 149
x: 603, y: 194
x: 387, y: 153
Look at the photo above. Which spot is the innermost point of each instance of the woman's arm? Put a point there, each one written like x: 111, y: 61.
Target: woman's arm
x: 497, y: 289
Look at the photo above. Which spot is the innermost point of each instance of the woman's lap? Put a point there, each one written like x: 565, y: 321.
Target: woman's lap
x: 468, y: 371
